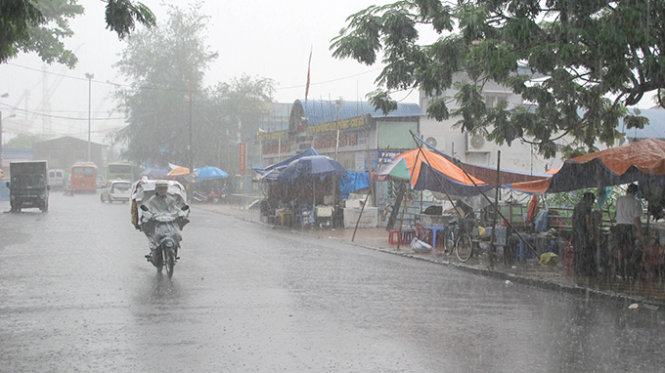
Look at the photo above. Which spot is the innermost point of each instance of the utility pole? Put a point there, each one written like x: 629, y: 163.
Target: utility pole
x: 3, y: 96
x: 0, y: 139
x: 339, y: 106
x: 89, y: 77
x: 189, y: 146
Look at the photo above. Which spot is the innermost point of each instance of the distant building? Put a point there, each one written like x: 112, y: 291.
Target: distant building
x: 15, y: 154
x: 65, y: 151
x: 353, y: 133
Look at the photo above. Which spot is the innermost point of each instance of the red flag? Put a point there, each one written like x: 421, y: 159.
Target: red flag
x: 308, y: 66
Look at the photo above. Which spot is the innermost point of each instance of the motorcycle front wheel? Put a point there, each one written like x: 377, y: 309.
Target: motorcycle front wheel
x: 169, y: 261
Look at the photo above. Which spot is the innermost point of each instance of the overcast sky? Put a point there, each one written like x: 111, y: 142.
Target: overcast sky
x: 260, y: 38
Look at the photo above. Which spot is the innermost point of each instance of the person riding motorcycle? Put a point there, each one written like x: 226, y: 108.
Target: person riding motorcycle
x: 160, y: 203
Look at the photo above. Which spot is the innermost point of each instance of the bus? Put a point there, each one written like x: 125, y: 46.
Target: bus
x: 120, y: 170
x: 83, y: 177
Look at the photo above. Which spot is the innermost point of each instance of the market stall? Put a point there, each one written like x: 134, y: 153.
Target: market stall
x: 642, y: 162
x: 306, y: 191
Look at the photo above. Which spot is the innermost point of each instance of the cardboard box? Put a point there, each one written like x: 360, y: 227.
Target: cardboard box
x: 369, y: 219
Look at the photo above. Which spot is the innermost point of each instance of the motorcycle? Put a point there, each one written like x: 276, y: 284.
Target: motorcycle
x: 164, y: 229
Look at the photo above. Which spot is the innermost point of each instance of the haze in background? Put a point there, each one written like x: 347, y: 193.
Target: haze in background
x: 258, y: 38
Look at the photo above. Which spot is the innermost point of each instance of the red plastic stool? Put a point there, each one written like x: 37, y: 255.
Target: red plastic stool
x: 407, y: 235
x: 393, y: 237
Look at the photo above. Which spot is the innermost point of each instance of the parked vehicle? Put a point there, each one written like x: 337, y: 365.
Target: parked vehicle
x: 56, y: 178
x: 29, y: 185
x: 116, y: 190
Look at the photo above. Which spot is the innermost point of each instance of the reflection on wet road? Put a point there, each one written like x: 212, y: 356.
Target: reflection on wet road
x: 77, y: 294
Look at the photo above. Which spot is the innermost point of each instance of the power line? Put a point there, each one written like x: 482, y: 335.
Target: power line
x: 60, y: 116
x: 176, y: 90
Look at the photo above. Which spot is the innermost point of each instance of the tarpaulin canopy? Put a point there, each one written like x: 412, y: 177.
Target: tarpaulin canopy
x: 209, y: 172
x: 286, y: 162
x: 314, y: 165
x: 432, y: 171
x: 641, y: 160
x: 353, y: 181
x: 488, y: 174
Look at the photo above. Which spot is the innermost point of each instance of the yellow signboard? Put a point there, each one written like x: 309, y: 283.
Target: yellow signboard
x: 341, y: 124
x: 271, y: 135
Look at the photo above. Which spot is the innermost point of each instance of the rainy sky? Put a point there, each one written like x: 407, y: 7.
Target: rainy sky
x: 268, y: 39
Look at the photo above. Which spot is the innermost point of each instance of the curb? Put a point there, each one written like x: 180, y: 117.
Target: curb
x: 542, y: 284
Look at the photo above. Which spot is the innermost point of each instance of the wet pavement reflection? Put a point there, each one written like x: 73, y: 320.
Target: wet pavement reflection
x: 77, y: 294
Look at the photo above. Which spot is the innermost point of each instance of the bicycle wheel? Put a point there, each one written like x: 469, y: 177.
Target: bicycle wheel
x: 449, y: 241
x: 464, y: 248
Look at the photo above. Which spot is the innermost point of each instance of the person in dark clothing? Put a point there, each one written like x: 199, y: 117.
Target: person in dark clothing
x: 584, y: 236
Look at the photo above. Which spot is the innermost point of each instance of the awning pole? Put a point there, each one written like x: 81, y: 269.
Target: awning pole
x: 361, y: 214
x: 496, y: 208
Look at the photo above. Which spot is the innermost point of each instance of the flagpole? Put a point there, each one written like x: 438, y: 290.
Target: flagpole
x: 309, y: 64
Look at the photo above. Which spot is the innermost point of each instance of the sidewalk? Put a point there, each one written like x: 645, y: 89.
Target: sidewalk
x: 557, y: 277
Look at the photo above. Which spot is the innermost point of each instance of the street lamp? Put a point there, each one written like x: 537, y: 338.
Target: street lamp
x: 89, y: 77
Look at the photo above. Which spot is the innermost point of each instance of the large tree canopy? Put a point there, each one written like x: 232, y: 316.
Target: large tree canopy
x: 167, y: 104
x: 165, y: 65
x: 40, y: 26
x: 578, y: 63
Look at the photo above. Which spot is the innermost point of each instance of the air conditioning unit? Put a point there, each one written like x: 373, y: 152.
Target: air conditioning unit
x: 478, y: 143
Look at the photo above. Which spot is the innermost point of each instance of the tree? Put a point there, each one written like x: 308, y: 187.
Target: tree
x: 234, y: 112
x: 40, y: 26
x: 23, y: 141
x: 165, y: 65
x: 578, y: 62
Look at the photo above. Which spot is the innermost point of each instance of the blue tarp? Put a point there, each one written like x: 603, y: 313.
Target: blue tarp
x: 353, y: 181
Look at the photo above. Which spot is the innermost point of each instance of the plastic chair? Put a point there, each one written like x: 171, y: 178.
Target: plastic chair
x: 423, y: 233
x: 394, y: 237
x: 407, y: 235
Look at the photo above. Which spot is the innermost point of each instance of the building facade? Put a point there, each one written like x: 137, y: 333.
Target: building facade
x: 353, y: 133
x: 65, y: 151
x: 474, y: 148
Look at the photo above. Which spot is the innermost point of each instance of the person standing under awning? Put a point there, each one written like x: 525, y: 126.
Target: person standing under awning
x: 629, y: 229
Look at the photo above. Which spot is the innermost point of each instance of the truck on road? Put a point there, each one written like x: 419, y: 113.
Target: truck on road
x: 28, y: 185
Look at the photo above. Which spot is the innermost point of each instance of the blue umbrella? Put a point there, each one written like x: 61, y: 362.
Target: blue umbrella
x: 315, y: 165
x: 209, y: 172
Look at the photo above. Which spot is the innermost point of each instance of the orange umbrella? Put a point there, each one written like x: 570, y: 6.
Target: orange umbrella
x: 179, y: 171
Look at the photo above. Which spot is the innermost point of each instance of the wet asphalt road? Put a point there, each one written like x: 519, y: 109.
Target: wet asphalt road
x: 76, y: 294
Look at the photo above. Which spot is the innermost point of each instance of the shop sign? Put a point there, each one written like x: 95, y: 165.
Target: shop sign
x: 341, y: 124
x: 242, y: 156
x: 387, y: 156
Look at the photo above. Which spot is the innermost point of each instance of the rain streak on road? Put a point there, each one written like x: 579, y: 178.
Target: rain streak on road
x: 76, y: 294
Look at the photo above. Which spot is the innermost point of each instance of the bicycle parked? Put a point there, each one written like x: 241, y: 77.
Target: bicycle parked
x: 459, y: 237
